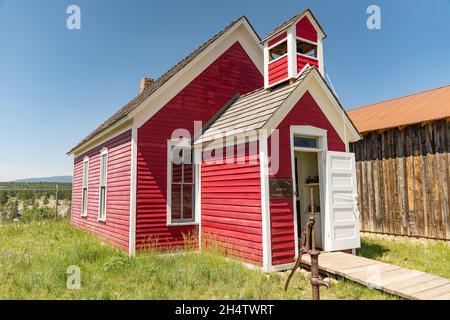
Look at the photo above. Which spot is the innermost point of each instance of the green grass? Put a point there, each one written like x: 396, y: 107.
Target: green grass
x: 423, y: 255
x: 34, y: 258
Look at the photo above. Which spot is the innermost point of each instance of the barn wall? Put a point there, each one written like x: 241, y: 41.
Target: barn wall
x: 231, y: 206
x: 403, y: 180
x: 305, y: 112
x: 231, y: 73
x: 116, y: 228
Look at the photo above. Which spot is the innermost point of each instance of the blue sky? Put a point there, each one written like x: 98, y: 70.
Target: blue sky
x: 57, y: 85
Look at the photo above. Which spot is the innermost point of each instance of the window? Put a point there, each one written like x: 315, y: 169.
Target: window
x: 278, y: 51
x: 181, y: 184
x: 307, y: 48
x: 305, y: 142
x: 85, y: 187
x: 103, y: 175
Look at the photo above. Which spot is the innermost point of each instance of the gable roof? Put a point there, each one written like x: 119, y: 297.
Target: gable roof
x: 251, y: 111
x: 293, y: 20
x: 424, y: 106
x: 148, y: 91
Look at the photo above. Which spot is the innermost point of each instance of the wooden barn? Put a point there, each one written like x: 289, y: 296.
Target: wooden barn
x: 403, y: 165
x: 236, y: 144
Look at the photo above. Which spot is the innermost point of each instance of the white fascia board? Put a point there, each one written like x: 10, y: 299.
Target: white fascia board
x: 241, y: 32
x: 117, y: 129
x: 326, y: 101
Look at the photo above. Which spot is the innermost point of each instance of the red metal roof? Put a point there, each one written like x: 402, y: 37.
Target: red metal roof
x: 424, y: 106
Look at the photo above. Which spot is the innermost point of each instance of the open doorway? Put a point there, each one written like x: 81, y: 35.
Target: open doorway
x: 308, y: 193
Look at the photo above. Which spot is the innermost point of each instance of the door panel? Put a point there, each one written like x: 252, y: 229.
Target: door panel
x: 342, y: 202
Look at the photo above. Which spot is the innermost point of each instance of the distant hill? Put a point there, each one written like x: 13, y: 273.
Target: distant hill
x: 60, y: 179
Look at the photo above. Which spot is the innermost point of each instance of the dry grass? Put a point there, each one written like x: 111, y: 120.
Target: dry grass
x: 34, y: 258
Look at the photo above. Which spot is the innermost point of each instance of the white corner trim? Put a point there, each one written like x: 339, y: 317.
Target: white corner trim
x: 265, y: 207
x: 292, y: 49
x: 198, y: 191
x: 133, y: 193
x: 320, y: 57
x: 266, y: 65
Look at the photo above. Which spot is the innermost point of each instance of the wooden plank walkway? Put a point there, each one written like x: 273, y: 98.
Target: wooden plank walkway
x: 406, y: 283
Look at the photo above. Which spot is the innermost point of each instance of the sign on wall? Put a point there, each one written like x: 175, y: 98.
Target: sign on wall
x: 280, y: 188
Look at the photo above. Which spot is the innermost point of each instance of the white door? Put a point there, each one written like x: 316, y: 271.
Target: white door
x: 342, y: 214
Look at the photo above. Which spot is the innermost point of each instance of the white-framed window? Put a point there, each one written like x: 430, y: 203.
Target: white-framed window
x: 306, y: 142
x: 84, y: 192
x: 180, y: 183
x: 277, y: 51
x: 103, y: 181
x: 307, y: 48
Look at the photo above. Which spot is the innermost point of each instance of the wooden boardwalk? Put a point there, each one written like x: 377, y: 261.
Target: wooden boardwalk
x: 406, y: 283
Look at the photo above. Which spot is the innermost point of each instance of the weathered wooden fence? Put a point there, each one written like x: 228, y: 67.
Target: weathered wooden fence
x: 403, y: 180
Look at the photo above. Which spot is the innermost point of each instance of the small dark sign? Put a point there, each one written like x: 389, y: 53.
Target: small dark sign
x: 280, y: 188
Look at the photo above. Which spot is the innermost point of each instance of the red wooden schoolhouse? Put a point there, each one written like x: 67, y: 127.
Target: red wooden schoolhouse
x: 237, y: 143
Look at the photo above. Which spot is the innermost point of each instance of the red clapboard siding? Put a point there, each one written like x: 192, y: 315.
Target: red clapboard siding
x: 305, y: 112
x: 279, y: 70
x: 231, y: 73
x: 306, y: 30
x: 302, y: 61
x: 231, y: 207
x: 116, y: 228
x: 278, y: 38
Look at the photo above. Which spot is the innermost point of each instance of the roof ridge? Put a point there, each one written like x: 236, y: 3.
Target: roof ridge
x: 398, y: 98
x: 290, y: 21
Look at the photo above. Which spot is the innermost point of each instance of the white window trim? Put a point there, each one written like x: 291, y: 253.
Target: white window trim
x: 306, y: 40
x: 279, y: 58
x: 194, y: 221
x: 84, y: 214
x: 321, y: 135
x: 308, y: 57
x: 310, y: 42
x: 275, y: 44
x: 103, y: 152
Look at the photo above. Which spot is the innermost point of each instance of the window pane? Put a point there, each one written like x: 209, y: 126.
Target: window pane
x: 188, y: 174
x: 176, y: 201
x: 187, y: 201
x: 177, y: 171
x: 84, y: 201
x: 305, y: 142
x: 278, y: 51
x: 306, y: 48
x: 102, y: 202
x: 103, y: 169
x: 85, y: 172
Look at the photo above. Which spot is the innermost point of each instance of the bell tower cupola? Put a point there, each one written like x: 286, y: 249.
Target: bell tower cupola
x: 291, y: 47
